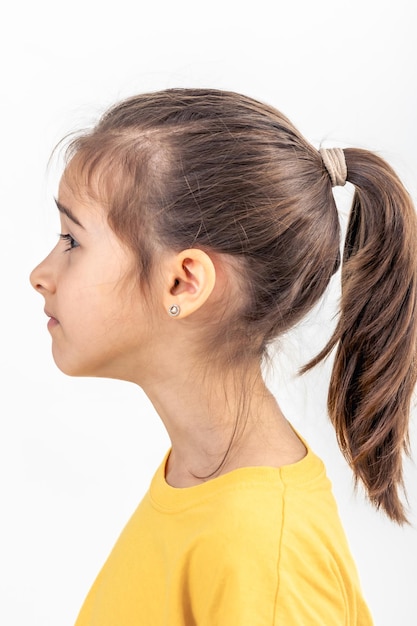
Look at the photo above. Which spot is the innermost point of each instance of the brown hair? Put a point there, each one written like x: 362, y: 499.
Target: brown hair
x: 220, y: 171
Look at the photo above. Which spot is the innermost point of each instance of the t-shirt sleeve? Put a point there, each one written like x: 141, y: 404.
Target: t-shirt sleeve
x: 273, y: 570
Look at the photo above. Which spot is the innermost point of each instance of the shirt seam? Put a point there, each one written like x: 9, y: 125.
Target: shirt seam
x: 280, y: 541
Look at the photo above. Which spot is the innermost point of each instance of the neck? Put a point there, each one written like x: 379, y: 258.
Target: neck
x: 219, y: 423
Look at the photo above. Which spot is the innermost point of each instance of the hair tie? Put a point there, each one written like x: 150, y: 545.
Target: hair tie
x: 335, y: 163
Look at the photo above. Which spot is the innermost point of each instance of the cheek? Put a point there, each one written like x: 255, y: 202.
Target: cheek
x: 113, y: 315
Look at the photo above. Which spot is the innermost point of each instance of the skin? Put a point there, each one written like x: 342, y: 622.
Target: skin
x: 102, y: 326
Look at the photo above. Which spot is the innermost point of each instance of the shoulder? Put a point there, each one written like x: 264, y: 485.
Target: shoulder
x: 247, y: 499
x: 232, y: 564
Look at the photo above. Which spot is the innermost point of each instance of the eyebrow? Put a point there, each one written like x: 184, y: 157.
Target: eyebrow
x: 66, y: 211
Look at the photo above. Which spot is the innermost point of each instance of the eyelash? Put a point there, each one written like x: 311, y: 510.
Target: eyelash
x: 70, y: 241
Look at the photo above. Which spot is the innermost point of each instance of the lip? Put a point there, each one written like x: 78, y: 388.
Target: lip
x: 52, y: 320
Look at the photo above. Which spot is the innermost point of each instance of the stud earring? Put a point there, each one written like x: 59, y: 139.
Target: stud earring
x: 174, y: 310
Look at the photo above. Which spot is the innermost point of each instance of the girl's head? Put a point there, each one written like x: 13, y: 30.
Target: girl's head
x: 233, y: 181
x: 223, y: 173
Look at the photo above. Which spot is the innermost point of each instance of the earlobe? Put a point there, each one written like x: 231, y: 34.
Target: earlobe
x: 191, y: 278
x: 174, y: 310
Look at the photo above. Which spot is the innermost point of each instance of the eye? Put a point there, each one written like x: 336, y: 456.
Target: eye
x: 71, y: 243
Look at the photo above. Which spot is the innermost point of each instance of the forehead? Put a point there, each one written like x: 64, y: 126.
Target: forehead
x: 80, y: 182
x: 96, y: 172
x: 80, y: 207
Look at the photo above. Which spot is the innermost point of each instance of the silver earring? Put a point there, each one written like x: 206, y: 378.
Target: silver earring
x: 174, y: 310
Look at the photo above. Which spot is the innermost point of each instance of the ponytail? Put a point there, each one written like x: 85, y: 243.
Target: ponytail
x: 374, y: 371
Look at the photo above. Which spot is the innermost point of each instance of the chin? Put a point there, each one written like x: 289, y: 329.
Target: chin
x: 83, y: 369
x: 73, y: 367
x: 70, y: 370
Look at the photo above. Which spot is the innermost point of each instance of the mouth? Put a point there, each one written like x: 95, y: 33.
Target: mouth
x: 52, y: 320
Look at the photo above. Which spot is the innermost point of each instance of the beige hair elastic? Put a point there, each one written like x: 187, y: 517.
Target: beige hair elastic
x: 335, y: 163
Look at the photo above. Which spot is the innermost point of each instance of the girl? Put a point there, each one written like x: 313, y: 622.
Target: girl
x: 198, y: 226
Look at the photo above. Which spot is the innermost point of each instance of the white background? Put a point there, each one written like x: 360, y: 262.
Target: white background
x: 76, y: 455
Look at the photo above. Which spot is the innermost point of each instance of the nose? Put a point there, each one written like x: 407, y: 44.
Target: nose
x: 42, y: 278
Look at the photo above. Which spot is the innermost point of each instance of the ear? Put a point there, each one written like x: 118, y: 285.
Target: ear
x: 189, y: 280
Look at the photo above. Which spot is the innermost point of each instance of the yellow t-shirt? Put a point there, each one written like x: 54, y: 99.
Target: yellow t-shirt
x: 258, y: 546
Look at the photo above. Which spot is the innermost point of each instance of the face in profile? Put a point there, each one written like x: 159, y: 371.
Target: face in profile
x: 97, y: 318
